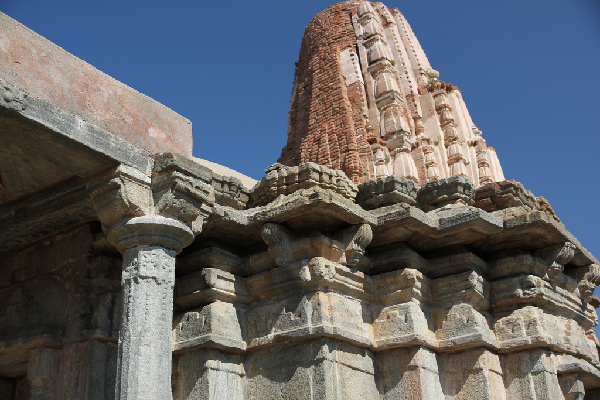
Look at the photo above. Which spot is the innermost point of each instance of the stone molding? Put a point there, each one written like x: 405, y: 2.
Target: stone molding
x: 146, y: 231
x: 442, y: 192
x: 386, y: 190
x: 283, y: 180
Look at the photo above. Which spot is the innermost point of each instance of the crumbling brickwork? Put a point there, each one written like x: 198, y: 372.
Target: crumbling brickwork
x: 324, y: 116
x: 366, y: 100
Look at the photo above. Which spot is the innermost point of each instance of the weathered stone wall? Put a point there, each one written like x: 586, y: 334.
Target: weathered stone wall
x: 46, y: 71
x: 60, y: 317
x: 303, y: 293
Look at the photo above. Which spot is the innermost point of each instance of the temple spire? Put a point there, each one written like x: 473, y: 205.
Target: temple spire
x: 363, y: 79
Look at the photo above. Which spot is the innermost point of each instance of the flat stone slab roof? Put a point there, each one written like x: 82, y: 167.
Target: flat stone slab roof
x: 48, y: 72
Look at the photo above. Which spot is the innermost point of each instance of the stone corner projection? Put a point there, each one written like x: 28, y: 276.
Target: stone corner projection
x: 384, y: 256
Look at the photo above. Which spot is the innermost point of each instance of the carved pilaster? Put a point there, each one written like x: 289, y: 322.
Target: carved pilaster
x: 483, y: 161
x: 430, y: 159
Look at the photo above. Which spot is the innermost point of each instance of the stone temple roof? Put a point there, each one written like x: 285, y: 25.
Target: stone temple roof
x: 129, y: 269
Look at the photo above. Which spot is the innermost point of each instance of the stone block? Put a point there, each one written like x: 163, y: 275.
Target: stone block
x: 449, y: 265
x: 400, y: 257
x: 386, y: 190
x: 217, y: 324
x: 442, y: 192
x: 292, y: 314
x: 521, y: 264
x: 321, y: 369
x: 210, y: 257
x: 401, y: 325
x: 462, y: 326
x: 401, y: 286
x: 572, y: 386
x: 209, y: 375
x: 79, y: 370
x: 282, y: 180
x: 475, y: 374
x: 210, y: 284
x: 531, y: 375
x: 465, y: 287
x: 529, y: 290
x: 320, y: 313
x: 408, y: 374
x: 500, y: 195
x: 530, y: 326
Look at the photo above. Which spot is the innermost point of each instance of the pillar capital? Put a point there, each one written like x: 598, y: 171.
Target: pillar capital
x: 169, y: 233
x: 132, y: 203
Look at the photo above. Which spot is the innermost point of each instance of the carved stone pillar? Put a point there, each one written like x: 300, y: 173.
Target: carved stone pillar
x: 149, y: 219
x: 149, y: 246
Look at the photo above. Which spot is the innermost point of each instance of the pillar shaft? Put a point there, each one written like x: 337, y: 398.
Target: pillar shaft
x: 145, y: 348
x: 149, y: 246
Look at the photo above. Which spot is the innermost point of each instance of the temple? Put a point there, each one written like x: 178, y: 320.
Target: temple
x: 366, y: 101
x: 383, y: 257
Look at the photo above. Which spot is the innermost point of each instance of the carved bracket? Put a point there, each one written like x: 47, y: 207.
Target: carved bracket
x: 182, y: 197
x: 346, y: 247
x: 120, y: 194
x: 557, y: 256
x: 589, y: 283
x: 125, y: 193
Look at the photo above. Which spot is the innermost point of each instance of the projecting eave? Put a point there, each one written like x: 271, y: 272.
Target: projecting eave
x: 46, y: 154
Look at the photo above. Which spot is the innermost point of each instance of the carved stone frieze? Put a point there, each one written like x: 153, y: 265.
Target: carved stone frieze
x: 526, y: 290
x: 500, y: 195
x: 386, y: 190
x: 346, y: 247
x: 282, y: 180
x: 443, y: 192
x: 531, y: 326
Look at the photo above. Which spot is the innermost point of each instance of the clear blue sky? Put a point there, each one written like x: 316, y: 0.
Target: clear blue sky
x: 527, y: 71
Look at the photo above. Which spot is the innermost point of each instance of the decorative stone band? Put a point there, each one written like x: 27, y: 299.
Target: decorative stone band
x: 386, y: 190
x: 442, y: 192
x: 157, y: 231
x: 286, y: 180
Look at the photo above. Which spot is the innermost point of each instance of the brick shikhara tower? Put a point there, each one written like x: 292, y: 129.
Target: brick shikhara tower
x: 366, y: 101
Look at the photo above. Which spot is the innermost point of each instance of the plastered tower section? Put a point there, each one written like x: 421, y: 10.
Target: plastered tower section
x: 391, y: 115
